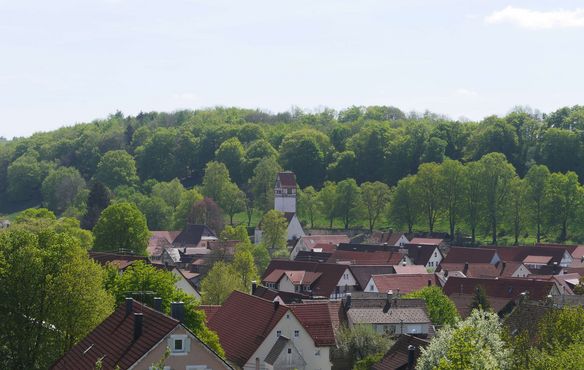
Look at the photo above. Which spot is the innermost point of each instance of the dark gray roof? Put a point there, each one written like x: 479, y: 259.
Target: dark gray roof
x: 192, y: 234
x: 276, y: 350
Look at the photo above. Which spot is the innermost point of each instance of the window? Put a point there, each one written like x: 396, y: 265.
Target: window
x: 289, y: 350
x: 178, y: 344
x: 278, y: 333
x: 288, y: 316
x: 296, y: 333
x: 371, y: 287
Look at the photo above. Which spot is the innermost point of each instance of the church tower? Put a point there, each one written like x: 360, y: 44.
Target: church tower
x: 285, y: 192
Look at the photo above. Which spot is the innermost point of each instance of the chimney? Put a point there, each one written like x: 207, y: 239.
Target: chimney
x: 348, y: 301
x: 429, y: 282
x: 389, y: 295
x: 158, y: 304
x: 177, y: 311
x: 465, y: 270
x: 411, y: 357
x: 129, y: 303
x: 276, y: 305
x: 445, y: 273
x: 254, y: 286
x: 138, y: 324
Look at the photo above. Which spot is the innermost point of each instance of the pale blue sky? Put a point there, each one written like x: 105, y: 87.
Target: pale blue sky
x: 68, y: 61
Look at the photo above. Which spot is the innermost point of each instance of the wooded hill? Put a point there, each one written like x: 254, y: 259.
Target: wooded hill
x: 132, y: 155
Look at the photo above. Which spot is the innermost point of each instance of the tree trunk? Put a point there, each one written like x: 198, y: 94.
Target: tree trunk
x: 494, y: 225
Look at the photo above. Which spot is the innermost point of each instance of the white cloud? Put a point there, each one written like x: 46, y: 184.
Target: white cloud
x: 466, y: 92
x: 533, y: 19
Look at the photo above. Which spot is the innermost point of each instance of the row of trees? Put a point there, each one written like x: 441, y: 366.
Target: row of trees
x: 364, y: 143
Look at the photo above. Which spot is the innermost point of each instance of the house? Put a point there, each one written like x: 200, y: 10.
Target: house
x: 576, y: 252
x: 318, y: 280
x: 318, y: 243
x: 486, y: 270
x: 277, y: 295
x: 533, y: 257
x: 194, y: 236
x: 426, y: 255
x: 367, y: 254
x: 403, y: 355
x: 285, y: 202
x: 159, y: 240
x: 410, y: 269
x: 399, y: 284
x: 502, y: 293
x: 187, y: 282
x: 391, y: 237
x: 389, y: 315
x: 363, y: 273
x: 436, y: 242
x: 260, y: 334
x: 472, y: 255
x: 136, y: 336
x: 311, y: 256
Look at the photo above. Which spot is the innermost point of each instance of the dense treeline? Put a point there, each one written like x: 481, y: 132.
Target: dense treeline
x: 137, y: 158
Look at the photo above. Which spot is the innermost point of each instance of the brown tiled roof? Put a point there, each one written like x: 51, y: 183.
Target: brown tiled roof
x: 569, y: 247
x: 296, y: 277
x: 271, y: 294
x: 324, y: 247
x: 362, y: 273
x: 470, y: 255
x: 410, y: 269
x: 382, y: 237
x: 406, y: 283
x: 113, y: 341
x: 311, y: 256
x: 243, y: 322
x: 525, y: 319
x: 427, y: 241
x: 159, y: 240
x: 319, y: 320
x: 421, y: 254
x: 472, y: 269
x: 501, y: 287
x: 578, y: 256
x: 366, y: 257
x: 210, y: 310
x: 311, y: 241
x: 287, y: 179
x: 397, y: 356
x: 325, y: 285
x: 539, y: 260
x: 463, y: 303
x: 508, y: 268
x: 518, y: 254
x: 121, y: 261
x: 192, y: 235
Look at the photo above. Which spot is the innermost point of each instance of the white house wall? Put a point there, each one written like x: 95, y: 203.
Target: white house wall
x: 304, y: 343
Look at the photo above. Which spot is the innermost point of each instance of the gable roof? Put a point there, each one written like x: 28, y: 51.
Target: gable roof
x: 420, y: 254
x: 311, y: 241
x: 325, y: 285
x: 382, y: 237
x: 121, y: 261
x: 287, y: 179
x: 410, y: 269
x: 537, y: 260
x: 320, y: 320
x: 113, y: 340
x: 271, y: 294
x: 501, y: 287
x: 472, y: 269
x: 518, y: 254
x: 406, y: 283
x: 375, y: 257
x: 312, y: 256
x: 470, y: 255
x: 397, y: 356
x: 362, y: 273
x: 210, y: 310
x: 243, y: 322
x: 427, y: 241
x: 297, y: 277
x: 192, y: 235
x: 160, y: 240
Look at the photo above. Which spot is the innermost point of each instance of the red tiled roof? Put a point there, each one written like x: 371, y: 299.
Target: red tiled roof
x: 569, y: 247
x: 501, y: 287
x: 410, y: 269
x: 287, y: 179
x: 243, y: 322
x: 473, y: 269
x: 421, y: 254
x: 325, y: 285
x: 381, y: 237
x: 470, y: 255
x: 311, y: 241
x: 319, y: 320
x: 113, y: 341
x: 362, y: 273
x: 537, y: 260
x: 366, y: 257
x: 295, y: 276
x: 518, y: 254
x: 397, y: 356
x: 406, y: 283
x: 210, y: 310
x: 271, y: 294
x: 159, y: 240
x: 324, y: 247
x: 427, y: 241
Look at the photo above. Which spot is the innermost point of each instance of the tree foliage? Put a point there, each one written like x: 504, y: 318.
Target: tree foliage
x: 121, y: 226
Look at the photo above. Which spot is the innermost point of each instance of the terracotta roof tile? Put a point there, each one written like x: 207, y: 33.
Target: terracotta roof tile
x: 113, y: 340
x: 397, y: 356
x: 287, y: 179
x: 406, y: 283
x: 470, y: 255
x: 366, y: 257
x: 427, y: 241
x: 362, y: 273
x: 501, y: 287
x: 318, y: 320
x: 210, y: 310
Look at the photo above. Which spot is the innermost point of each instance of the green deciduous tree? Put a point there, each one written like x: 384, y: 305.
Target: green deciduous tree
x: 215, y: 180
x: 535, y: 195
x: 98, y: 200
x: 376, y: 196
x: 51, y: 296
x: 274, y: 230
x: 348, y: 201
x: 262, y: 183
x: 232, y: 201
x: 441, y: 309
x: 207, y: 212
x: 304, y: 153
x: 426, y: 185
x: 231, y: 153
x: 219, y: 283
x: 403, y: 208
x: 61, y: 188
x: 117, y: 168
x: 474, y: 343
x: 451, y: 184
x: 121, y: 226
x: 327, y: 197
x: 361, y: 341
x: 565, y: 196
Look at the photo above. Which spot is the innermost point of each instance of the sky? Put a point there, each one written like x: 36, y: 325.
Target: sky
x: 68, y: 61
